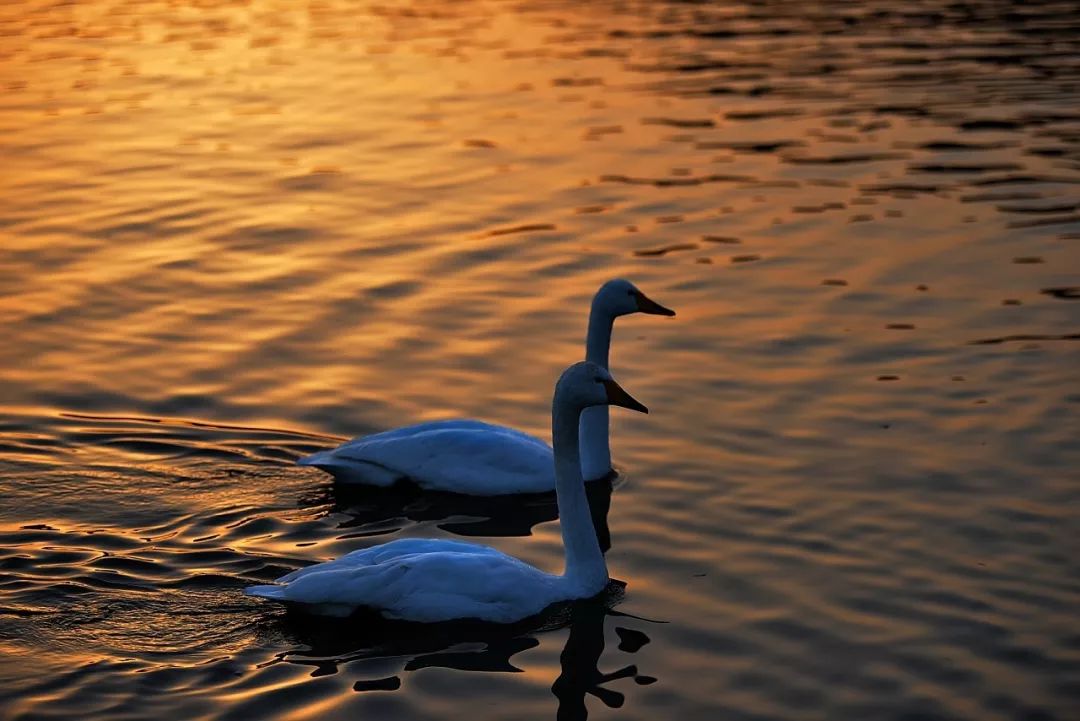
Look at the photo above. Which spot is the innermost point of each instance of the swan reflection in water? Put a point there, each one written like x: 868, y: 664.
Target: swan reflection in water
x: 373, y: 648
x: 369, y: 510
x: 580, y: 660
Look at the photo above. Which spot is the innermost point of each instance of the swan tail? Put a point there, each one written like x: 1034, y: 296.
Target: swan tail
x: 275, y: 593
x: 315, y: 459
x: 351, y: 470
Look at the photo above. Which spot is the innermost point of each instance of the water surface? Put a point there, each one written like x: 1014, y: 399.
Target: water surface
x: 232, y: 233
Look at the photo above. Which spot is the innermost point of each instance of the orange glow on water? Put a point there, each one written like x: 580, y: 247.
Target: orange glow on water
x: 232, y: 233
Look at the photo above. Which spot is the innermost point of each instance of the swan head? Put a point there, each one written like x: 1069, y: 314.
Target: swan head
x: 587, y: 384
x: 621, y: 297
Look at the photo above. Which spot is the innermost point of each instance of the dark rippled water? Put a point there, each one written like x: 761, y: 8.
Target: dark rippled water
x: 232, y: 233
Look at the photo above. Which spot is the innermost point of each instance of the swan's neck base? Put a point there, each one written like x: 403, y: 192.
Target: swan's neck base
x: 585, y: 571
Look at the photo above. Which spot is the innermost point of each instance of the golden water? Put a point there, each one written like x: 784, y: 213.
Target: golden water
x: 235, y: 232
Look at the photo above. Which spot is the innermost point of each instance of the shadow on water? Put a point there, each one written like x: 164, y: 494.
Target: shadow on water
x: 373, y: 647
x: 369, y: 508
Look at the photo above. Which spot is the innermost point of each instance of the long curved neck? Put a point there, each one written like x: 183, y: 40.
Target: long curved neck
x: 585, y: 567
x: 595, y: 450
x: 598, y: 338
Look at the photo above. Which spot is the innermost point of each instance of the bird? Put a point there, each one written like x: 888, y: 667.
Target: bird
x: 472, y: 457
x: 435, y: 580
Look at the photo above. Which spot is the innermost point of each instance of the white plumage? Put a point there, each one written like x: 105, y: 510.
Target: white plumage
x: 461, y: 455
x: 420, y: 580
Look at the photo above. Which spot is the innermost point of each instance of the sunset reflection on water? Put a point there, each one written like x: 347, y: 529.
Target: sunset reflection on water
x: 232, y: 233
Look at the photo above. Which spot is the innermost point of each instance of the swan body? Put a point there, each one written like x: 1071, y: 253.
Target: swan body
x: 462, y: 456
x: 476, y: 458
x: 431, y: 580
x: 424, y: 580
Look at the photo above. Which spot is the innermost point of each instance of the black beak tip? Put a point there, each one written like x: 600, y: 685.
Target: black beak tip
x: 648, y: 305
x: 618, y: 397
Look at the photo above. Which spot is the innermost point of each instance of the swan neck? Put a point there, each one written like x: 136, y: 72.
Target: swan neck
x: 585, y: 567
x: 598, y: 336
x: 595, y: 445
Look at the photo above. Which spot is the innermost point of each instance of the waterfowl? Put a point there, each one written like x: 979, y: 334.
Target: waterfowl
x: 433, y: 580
x: 472, y: 457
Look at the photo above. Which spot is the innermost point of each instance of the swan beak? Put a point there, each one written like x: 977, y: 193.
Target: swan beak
x: 645, y: 304
x: 618, y: 397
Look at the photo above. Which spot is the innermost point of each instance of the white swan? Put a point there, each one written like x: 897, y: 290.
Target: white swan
x: 428, y: 580
x: 476, y: 458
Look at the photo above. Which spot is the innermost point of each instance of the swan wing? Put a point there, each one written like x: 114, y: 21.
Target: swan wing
x: 448, y: 424
x: 386, y: 552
